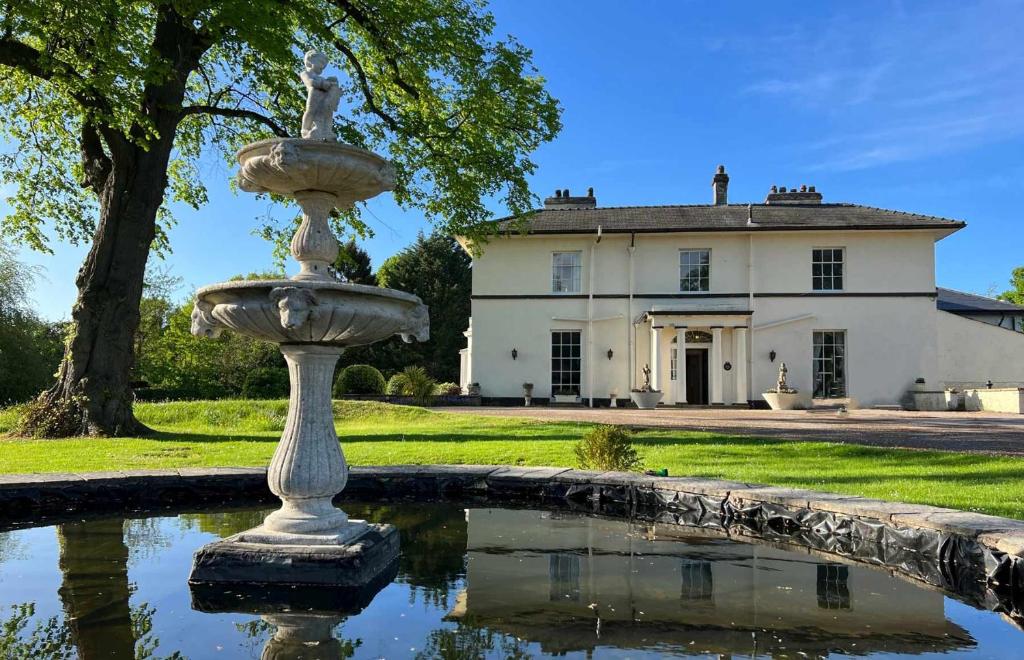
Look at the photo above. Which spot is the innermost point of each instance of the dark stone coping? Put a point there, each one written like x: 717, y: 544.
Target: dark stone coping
x: 978, y: 557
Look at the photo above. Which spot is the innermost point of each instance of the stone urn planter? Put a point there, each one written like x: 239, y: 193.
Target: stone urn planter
x: 527, y: 394
x: 646, y: 399
x: 783, y: 397
x: 783, y: 400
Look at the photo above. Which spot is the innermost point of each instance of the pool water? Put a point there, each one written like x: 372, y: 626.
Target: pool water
x: 479, y: 582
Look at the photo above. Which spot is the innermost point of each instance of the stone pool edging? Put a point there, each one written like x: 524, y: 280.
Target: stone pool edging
x: 1005, y: 535
x: 976, y: 555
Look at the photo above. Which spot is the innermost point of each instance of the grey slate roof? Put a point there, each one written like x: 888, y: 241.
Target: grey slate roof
x: 951, y: 300
x: 728, y: 217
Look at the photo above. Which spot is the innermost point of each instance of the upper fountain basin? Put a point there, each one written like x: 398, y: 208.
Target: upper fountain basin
x: 289, y: 165
x: 294, y: 311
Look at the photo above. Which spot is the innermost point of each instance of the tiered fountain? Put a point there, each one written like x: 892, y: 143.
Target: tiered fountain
x: 313, y: 318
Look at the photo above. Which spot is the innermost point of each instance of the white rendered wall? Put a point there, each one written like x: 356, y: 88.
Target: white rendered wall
x: 891, y: 340
x: 972, y: 352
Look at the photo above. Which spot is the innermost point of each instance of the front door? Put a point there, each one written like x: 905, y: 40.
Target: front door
x: 697, y: 376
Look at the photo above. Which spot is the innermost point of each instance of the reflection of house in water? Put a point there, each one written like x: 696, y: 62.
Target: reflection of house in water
x: 547, y: 578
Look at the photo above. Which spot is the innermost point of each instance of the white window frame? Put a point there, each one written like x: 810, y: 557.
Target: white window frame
x: 680, y: 260
x: 551, y: 370
x: 846, y: 363
x: 576, y: 279
x: 842, y: 263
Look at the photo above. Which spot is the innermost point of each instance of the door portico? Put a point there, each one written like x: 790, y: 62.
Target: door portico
x: 711, y: 346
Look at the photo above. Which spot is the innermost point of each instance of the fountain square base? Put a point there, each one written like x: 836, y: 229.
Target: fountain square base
x: 352, y: 557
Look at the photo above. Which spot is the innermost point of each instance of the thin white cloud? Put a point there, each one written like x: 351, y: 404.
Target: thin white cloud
x: 893, y: 86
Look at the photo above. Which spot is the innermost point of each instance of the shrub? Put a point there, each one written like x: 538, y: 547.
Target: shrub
x: 395, y: 386
x: 266, y: 383
x: 607, y: 448
x: 447, y: 389
x: 359, y: 379
x: 414, y: 382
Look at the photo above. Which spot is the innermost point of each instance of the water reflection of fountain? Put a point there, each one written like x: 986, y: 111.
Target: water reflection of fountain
x: 305, y: 620
x: 313, y: 318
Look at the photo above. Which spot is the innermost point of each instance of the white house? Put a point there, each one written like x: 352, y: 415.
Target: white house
x: 578, y: 299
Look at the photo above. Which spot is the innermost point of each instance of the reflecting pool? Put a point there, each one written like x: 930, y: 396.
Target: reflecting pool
x: 475, y: 582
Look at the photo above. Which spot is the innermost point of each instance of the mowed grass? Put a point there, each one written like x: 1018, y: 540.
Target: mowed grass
x: 244, y: 433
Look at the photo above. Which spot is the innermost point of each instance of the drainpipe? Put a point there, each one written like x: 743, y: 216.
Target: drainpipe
x: 750, y: 306
x: 590, y: 321
x: 630, y: 323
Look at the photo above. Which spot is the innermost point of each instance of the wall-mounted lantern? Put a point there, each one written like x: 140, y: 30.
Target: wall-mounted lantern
x: 771, y: 355
x: 727, y: 366
x: 515, y: 354
x: 610, y: 353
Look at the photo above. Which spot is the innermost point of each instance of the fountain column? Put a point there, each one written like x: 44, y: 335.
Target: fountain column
x: 308, y: 468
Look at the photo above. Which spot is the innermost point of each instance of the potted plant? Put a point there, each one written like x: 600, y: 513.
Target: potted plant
x: 646, y: 398
x: 613, y: 397
x: 527, y: 393
x: 783, y: 397
x: 565, y: 395
x: 473, y: 389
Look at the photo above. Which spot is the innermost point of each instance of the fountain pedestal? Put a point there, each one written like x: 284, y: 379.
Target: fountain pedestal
x: 313, y: 318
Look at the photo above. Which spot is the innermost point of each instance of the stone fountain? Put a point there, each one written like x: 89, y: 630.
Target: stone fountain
x: 313, y: 318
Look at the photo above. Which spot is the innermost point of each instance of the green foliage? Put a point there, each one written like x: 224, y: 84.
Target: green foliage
x: 30, y: 348
x: 353, y: 264
x: 266, y: 383
x: 427, y: 83
x: 607, y: 448
x: 359, y: 379
x: 447, y: 389
x: 395, y: 385
x: 436, y: 269
x: 1016, y: 294
x: 414, y: 382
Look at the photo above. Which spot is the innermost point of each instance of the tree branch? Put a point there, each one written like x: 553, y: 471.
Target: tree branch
x: 364, y: 85
x: 238, y: 113
x: 365, y: 22
x: 17, y: 55
x: 95, y: 162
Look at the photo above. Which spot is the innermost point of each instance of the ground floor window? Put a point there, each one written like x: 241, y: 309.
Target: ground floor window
x: 565, y: 362
x: 829, y: 367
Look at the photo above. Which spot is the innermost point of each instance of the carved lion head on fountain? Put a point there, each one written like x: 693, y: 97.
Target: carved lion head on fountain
x: 296, y: 305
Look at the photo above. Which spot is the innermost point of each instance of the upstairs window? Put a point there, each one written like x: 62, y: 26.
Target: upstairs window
x: 694, y: 271
x: 565, y: 272
x: 827, y: 269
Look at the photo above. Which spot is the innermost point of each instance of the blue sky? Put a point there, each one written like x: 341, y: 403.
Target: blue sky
x: 914, y: 106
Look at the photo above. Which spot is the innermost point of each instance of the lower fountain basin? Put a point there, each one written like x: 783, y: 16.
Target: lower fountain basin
x: 309, y: 311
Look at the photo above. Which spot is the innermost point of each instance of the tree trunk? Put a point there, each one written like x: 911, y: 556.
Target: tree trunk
x: 93, y: 394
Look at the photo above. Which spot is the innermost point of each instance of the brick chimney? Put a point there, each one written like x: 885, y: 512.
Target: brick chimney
x: 805, y: 195
x: 720, y: 186
x: 564, y: 201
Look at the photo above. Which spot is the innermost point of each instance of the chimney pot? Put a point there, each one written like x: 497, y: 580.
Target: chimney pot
x: 565, y: 192
x: 775, y: 188
x: 782, y: 189
x: 558, y: 193
x: 803, y: 187
x: 811, y: 189
x: 720, y: 187
x: 590, y: 191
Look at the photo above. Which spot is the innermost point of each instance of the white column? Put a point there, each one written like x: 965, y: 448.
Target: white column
x: 655, y: 355
x: 308, y: 468
x: 739, y: 352
x: 680, y: 364
x: 715, y: 367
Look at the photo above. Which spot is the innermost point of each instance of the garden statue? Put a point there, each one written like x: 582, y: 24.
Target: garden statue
x: 313, y: 317
x: 321, y: 100
x: 781, y: 384
x: 645, y: 398
x: 646, y: 387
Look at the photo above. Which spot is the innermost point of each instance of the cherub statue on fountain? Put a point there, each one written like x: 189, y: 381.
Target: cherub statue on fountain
x: 322, y: 98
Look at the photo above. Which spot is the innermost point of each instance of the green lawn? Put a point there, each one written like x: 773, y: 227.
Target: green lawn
x: 244, y: 433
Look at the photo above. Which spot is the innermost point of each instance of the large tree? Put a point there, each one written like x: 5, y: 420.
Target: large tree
x: 437, y: 270
x: 107, y: 105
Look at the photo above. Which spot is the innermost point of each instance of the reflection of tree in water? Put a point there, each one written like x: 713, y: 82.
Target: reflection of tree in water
x: 467, y: 643
x: 223, y: 523
x: 48, y: 639
x: 95, y: 592
x: 11, y: 547
x: 433, y: 543
x: 146, y: 538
